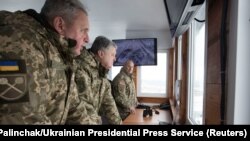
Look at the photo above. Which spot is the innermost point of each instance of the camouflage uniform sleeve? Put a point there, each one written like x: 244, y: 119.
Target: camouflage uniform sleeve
x: 77, y: 112
x: 134, y: 99
x: 83, y: 99
x: 108, y: 106
x: 32, y: 110
x: 120, y: 94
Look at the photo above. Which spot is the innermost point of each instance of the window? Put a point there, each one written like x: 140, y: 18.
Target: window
x: 196, y: 70
x: 152, y: 80
x: 114, y: 71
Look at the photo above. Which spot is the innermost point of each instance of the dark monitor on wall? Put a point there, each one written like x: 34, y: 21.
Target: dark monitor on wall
x: 143, y: 51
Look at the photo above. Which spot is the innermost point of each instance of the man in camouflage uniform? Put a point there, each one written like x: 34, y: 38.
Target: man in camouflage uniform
x: 36, y: 64
x: 124, y: 90
x: 91, y: 78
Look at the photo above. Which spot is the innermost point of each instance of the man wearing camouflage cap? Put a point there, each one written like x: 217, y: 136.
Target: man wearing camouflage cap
x: 124, y: 90
x: 36, y: 64
x: 91, y: 78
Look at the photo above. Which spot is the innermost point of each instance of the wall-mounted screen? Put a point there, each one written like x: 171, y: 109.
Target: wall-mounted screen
x: 142, y: 51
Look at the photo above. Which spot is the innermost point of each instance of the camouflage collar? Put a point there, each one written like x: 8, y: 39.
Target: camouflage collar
x: 102, y: 71
x: 89, y: 59
x: 125, y: 73
x: 39, y: 18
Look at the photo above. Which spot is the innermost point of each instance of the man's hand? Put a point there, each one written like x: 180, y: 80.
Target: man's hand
x: 132, y: 110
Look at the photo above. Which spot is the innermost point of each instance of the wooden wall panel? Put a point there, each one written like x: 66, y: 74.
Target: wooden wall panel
x: 213, y: 107
x: 213, y: 76
x: 213, y: 63
x: 213, y: 51
x: 170, y: 74
x: 184, y: 79
x: 135, y: 77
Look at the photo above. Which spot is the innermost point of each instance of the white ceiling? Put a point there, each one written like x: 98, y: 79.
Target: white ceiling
x: 132, y: 14
x: 118, y: 18
x: 113, y: 18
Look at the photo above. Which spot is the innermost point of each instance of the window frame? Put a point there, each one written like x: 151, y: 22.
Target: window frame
x: 191, y: 75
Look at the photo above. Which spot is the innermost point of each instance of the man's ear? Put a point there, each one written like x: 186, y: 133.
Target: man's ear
x: 100, y: 53
x: 59, y: 25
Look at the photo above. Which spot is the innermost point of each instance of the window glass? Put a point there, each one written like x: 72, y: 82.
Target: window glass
x: 152, y: 79
x: 196, y: 71
x: 114, y: 71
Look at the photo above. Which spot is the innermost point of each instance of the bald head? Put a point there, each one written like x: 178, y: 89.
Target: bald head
x: 129, y: 66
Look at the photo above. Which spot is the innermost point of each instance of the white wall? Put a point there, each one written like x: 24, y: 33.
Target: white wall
x: 111, y: 31
x: 163, y: 37
x: 232, y: 62
x: 239, y: 66
x: 14, y: 5
x: 164, y: 40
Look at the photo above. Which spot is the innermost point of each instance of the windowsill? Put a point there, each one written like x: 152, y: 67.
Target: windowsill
x: 153, y: 95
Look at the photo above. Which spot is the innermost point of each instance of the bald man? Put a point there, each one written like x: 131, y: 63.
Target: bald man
x: 124, y: 90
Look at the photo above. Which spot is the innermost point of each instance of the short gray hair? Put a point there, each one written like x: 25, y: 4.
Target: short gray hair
x: 101, y: 43
x: 64, y: 8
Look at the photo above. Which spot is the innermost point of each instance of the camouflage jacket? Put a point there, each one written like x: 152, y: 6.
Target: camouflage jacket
x: 46, y: 93
x: 95, y: 89
x: 124, y: 93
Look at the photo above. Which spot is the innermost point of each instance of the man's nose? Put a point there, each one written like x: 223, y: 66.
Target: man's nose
x: 86, y: 38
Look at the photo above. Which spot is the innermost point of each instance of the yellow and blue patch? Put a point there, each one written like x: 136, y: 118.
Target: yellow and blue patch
x: 13, y: 81
x: 9, y: 66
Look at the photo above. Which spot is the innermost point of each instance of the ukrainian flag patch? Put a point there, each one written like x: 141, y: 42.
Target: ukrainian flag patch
x: 9, y: 66
x: 13, y: 81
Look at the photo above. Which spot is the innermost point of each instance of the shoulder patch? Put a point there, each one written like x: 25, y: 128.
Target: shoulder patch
x: 13, y: 81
